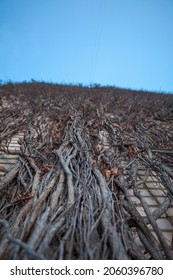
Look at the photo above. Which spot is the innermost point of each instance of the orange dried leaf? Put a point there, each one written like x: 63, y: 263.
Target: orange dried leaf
x: 102, y: 167
x: 100, y: 147
x: 46, y: 168
x: 107, y: 174
x: 114, y: 171
x: 130, y: 150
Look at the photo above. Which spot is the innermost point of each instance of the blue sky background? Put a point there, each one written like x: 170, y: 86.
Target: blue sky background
x: 126, y: 43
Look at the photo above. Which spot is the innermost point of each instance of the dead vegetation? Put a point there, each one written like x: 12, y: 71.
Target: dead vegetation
x: 67, y: 196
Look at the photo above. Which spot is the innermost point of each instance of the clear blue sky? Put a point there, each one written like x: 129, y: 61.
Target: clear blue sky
x: 127, y: 43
